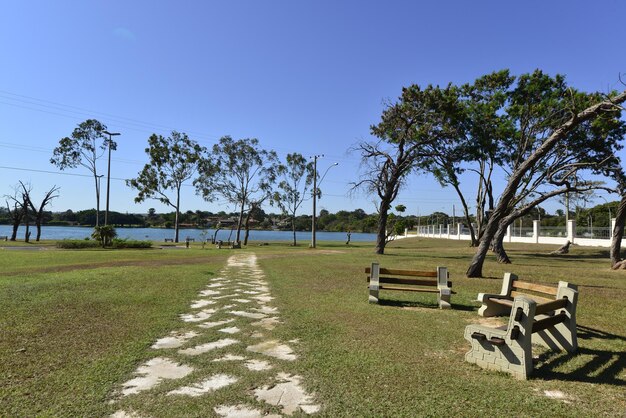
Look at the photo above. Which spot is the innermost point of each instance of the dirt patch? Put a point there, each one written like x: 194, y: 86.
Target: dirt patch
x: 491, y: 321
x: 417, y: 309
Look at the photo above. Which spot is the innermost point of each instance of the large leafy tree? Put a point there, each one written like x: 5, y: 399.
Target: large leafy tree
x: 84, y: 147
x: 296, y: 181
x: 560, y: 133
x: 472, y: 125
x: 173, y: 160
x: 242, y: 173
x: 407, y: 131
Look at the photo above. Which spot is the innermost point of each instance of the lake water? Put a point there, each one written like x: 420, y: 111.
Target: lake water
x: 159, y: 234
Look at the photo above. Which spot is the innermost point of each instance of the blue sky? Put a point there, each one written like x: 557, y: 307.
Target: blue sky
x: 301, y: 76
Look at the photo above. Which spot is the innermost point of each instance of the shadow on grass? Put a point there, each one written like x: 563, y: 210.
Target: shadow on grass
x: 594, y: 255
x: 603, y: 366
x: 416, y: 304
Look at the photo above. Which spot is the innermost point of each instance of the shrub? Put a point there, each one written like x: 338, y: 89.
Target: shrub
x: 104, y: 234
x: 73, y: 244
x: 127, y: 243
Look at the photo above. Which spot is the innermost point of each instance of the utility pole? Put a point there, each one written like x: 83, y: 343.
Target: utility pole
x: 315, y: 191
x: 106, y: 212
x: 315, y: 157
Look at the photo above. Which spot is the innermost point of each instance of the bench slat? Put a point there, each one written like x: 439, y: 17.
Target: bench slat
x: 549, y: 322
x: 410, y: 289
x: 534, y: 287
x: 412, y: 273
x: 551, y: 306
x: 536, y: 298
x: 416, y: 282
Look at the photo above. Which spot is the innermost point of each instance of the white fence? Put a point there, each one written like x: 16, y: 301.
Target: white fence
x: 598, y: 237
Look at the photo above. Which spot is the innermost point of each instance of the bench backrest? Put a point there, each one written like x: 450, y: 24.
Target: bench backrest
x: 411, y: 277
x: 512, y: 286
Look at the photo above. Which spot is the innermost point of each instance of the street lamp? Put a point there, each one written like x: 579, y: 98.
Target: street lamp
x: 313, y: 222
x: 106, y: 213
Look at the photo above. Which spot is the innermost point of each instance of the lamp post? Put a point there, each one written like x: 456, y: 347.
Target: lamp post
x: 106, y: 213
x: 315, y: 185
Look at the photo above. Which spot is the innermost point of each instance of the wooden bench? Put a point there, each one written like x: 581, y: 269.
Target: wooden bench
x: 4, y: 238
x: 169, y: 239
x: 501, y: 303
x: 229, y: 244
x: 411, y: 281
x: 509, y: 348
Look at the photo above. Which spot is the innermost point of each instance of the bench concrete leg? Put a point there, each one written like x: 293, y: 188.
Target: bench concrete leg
x: 562, y: 336
x: 374, y: 286
x: 444, y: 291
x: 489, y: 308
x: 515, y: 355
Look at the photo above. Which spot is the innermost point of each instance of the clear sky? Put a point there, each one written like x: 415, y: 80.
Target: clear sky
x: 301, y: 76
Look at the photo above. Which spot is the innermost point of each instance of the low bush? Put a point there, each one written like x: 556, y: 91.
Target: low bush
x: 73, y: 244
x: 127, y: 243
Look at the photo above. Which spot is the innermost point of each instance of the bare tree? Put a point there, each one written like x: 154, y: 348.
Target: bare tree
x: 16, y: 214
x: 38, y: 211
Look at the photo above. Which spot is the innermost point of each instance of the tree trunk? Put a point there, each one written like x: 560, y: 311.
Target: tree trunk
x: 476, y: 266
x: 498, y: 246
x: 381, y: 236
x: 38, y: 225
x: 27, y: 223
x: 293, y: 228
x: 473, y: 240
x: 177, y: 215
x: 16, y: 225
x: 247, y: 225
x: 239, y: 222
x: 618, y: 232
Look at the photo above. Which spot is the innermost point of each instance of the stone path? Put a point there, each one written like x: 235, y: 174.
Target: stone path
x: 232, y: 312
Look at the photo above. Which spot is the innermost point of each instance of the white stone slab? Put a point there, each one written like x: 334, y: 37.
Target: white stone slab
x: 153, y: 372
x: 175, y: 340
x: 275, y: 349
x: 248, y: 314
x: 203, y: 348
x: 288, y: 394
x: 211, y: 384
x: 215, y: 324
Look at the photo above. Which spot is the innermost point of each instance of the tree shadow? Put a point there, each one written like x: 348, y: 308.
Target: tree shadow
x: 596, y: 255
x: 420, y: 304
x: 603, y: 366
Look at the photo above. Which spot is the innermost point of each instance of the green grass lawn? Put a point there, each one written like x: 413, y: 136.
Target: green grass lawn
x: 74, y: 325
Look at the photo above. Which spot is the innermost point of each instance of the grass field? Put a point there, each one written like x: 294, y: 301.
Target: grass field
x: 74, y: 325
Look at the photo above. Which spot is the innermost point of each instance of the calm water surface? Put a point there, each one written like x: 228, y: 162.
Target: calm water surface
x: 159, y: 234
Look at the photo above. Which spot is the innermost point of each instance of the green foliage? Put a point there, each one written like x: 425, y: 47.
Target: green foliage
x: 104, y: 234
x: 240, y: 171
x: 75, y: 244
x: 128, y: 243
x: 297, y: 177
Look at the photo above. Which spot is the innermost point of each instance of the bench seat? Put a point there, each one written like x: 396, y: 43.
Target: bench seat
x: 409, y: 281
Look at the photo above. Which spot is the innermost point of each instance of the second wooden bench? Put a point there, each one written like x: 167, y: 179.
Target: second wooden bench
x: 410, y: 280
